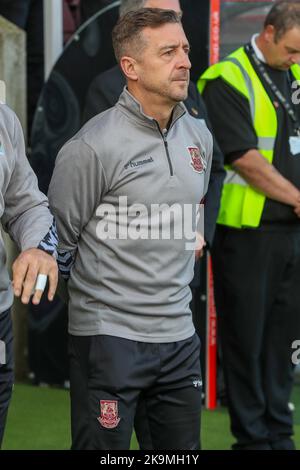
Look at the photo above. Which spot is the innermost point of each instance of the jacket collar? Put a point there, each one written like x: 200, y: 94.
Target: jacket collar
x: 129, y: 105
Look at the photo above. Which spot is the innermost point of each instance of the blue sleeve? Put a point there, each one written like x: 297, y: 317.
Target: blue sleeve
x: 50, y: 241
x: 65, y: 261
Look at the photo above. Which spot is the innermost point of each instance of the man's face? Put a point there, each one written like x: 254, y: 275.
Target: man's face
x: 164, y: 4
x: 286, y: 51
x: 163, y: 68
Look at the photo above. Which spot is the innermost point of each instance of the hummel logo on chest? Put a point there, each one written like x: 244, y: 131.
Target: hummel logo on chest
x: 133, y: 164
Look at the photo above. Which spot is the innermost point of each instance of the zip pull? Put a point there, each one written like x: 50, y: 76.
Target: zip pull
x: 164, y: 134
x: 168, y: 154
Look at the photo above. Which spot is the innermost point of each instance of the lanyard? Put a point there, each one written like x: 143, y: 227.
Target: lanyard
x: 282, y: 100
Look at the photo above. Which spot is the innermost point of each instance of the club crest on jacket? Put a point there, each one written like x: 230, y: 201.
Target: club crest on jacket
x: 197, y: 161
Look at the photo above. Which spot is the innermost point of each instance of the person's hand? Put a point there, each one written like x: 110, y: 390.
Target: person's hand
x: 296, y: 205
x: 297, y: 210
x: 200, y: 244
x: 26, y: 268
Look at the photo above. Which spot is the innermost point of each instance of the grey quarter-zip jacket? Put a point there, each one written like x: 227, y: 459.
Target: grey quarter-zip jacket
x: 118, y: 185
x: 24, y: 209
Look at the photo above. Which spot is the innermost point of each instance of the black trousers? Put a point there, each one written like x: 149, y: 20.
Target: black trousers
x: 6, y: 367
x: 109, y: 377
x: 257, y: 287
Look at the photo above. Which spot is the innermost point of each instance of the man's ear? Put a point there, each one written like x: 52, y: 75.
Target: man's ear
x: 128, y: 66
x: 269, y: 33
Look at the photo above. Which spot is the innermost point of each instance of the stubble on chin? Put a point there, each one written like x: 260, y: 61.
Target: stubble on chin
x: 180, y: 95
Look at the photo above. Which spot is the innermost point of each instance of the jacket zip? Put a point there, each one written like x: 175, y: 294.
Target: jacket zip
x: 164, y: 135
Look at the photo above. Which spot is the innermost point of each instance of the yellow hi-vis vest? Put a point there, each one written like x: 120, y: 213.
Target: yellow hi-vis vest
x: 241, y: 205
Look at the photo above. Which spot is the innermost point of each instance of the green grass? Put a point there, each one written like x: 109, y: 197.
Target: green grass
x: 39, y: 419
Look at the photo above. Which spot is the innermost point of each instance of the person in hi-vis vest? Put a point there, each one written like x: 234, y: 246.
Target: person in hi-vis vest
x: 253, y: 104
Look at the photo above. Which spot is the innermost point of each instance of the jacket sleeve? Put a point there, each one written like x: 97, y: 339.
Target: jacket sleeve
x: 217, y: 175
x: 213, y: 195
x: 75, y: 191
x: 26, y: 215
x: 207, y: 141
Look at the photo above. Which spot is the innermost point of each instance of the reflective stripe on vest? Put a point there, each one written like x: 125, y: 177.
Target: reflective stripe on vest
x: 241, y: 204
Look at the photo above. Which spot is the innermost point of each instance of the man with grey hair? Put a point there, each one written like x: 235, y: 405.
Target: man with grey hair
x: 130, y: 325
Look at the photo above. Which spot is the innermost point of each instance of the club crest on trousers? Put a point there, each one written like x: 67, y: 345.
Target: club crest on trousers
x: 109, y: 414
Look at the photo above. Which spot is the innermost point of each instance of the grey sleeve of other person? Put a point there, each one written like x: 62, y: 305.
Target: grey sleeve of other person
x: 25, y: 213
